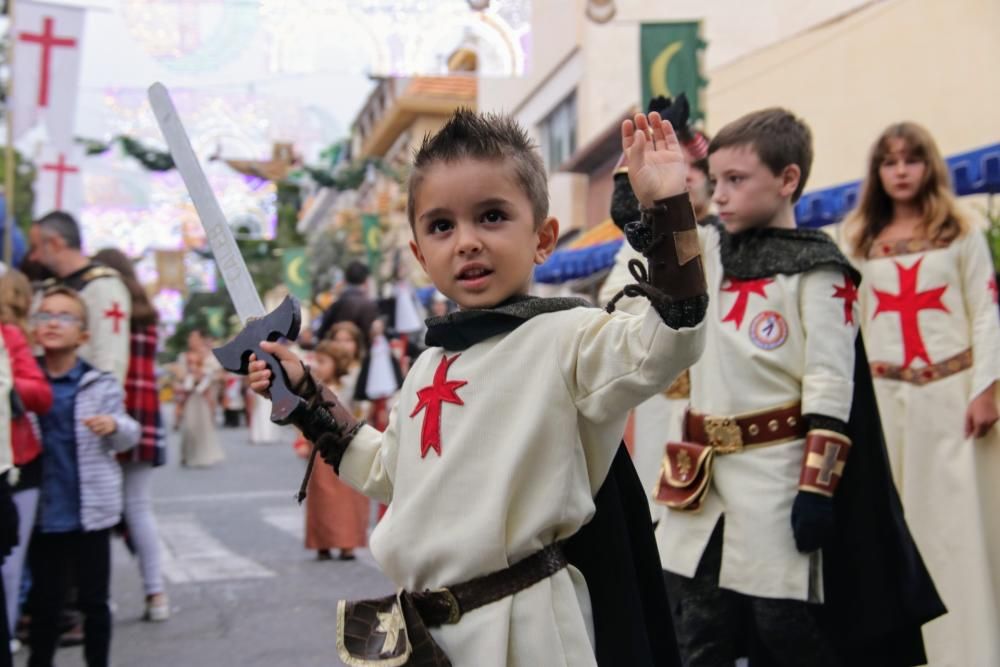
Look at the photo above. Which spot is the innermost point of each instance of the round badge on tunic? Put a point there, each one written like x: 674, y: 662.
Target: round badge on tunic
x: 768, y: 330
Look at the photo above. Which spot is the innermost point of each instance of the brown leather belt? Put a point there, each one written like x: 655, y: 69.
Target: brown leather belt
x: 924, y: 374
x: 728, y: 435
x: 446, y: 605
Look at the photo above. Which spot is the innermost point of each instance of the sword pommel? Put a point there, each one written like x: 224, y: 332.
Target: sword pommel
x: 282, y: 322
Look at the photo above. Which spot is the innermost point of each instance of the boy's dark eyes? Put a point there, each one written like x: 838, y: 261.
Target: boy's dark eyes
x: 494, y: 215
x: 438, y: 226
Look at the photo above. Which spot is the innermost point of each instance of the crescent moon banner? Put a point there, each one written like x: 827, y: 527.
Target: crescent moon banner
x: 297, y: 278
x: 670, y: 62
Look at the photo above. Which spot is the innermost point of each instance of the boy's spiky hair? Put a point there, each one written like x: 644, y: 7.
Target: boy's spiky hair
x: 778, y: 137
x: 486, y: 136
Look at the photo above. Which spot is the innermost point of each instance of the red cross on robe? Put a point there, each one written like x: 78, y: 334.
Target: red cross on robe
x: 47, y: 40
x: 849, y: 293
x: 430, y: 399
x: 744, y: 288
x: 908, y: 303
x: 991, y: 285
x: 116, y: 314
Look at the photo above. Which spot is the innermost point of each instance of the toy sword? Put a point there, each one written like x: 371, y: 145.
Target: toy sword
x: 258, y: 324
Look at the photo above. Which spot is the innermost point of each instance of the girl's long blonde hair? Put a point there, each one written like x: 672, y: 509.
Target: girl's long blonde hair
x: 15, y: 300
x: 942, y: 220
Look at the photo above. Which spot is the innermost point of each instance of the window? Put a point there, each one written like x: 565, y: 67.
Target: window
x: 558, y: 131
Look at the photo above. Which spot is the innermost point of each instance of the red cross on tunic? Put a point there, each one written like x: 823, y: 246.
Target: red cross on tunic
x: 116, y: 314
x: 991, y: 285
x: 61, y: 169
x: 908, y: 303
x: 744, y: 288
x: 48, y: 41
x: 849, y: 293
x: 430, y: 399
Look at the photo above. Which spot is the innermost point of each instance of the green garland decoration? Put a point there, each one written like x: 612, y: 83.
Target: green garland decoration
x: 150, y: 158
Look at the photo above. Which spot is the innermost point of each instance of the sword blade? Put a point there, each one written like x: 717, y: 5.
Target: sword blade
x: 220, y: 237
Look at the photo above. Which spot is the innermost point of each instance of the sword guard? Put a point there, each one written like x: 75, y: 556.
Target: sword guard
x: 282, y: 322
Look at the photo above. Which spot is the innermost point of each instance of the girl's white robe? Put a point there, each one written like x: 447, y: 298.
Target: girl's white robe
x: 945, y: 480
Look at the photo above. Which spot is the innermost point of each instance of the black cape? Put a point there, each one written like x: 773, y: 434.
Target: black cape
x: 878, y: 592
x: 615, y: 551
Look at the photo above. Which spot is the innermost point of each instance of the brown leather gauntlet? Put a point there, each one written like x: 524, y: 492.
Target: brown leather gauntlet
x: 667, y: 235
x: 673, y: 252
x: 824, y: 460
x: 325, y: 422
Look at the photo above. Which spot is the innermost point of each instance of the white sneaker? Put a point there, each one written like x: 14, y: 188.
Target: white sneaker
x: 157, y: 607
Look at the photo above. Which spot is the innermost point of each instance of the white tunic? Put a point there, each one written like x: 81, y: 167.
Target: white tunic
x: 532, y: 422
x: 109, y: 309
x: 921, y: 306
x: 769, y: 343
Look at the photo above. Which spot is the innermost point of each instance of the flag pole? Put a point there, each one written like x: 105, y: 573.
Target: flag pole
x: 9, y: 167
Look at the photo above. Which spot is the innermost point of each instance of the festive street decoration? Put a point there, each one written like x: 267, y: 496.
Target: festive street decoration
x: 47, y: 43
x: 670, y: 63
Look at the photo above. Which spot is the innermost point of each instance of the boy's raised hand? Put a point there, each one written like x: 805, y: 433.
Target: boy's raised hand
x: 656, y: 165
x: 260, y: 375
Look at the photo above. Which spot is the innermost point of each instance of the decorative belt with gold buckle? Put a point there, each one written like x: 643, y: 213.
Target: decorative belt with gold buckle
x: 724, y: 434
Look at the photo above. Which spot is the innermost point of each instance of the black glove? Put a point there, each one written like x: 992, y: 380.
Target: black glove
x: 812, y: 520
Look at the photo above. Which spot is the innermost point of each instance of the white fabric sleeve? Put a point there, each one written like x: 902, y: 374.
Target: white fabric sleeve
x: 369, y: 463
x: 830, y: 333
x: 613, y: 362
x: 979, y: 294
x: 109, y: 308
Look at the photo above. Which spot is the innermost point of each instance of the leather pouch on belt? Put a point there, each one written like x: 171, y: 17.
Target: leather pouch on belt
x: 684, y: 475
x: 387, y: 632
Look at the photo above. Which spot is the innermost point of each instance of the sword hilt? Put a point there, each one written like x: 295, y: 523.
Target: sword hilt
x: 282, y: 322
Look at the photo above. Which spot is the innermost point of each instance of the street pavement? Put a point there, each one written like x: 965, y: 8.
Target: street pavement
x: 243, y: 590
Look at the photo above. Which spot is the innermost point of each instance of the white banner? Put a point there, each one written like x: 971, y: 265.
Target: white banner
x: 47, y: 48
x: 59, y: 185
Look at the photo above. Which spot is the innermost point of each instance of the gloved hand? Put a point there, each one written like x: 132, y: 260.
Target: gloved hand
x: 812, y: 520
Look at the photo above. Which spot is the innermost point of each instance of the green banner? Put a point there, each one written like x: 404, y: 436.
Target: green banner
x: 371, y: 231
x: 214, y: 320
x: 296, y: 272
x: 669, y: 63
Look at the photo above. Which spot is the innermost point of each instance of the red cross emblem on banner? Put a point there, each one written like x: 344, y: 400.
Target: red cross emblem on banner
x: 849, y: 293
x: 116, y: 314
x: 47, y: 40
x: 744, y: 288
x: 430, y: 399
x: 61, y: 168
x: 908, y: 303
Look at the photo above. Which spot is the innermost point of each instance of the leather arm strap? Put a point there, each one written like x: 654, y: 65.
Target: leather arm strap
x: 674, y: 252
x: 824, y: 460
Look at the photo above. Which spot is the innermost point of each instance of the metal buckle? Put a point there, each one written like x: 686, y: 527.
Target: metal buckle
x: 724, y: 434
x: 454, y: 610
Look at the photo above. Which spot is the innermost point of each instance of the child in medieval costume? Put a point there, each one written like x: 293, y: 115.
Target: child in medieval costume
x: 929, y: 313
x: 779, y: 532
x: 510, y: 423
x: 199, y: 442
x: 336, y: 514
x: 660, y: 418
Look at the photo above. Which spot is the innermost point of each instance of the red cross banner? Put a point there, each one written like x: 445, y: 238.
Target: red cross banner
x: 47, y: 45
x: 58, y: 186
